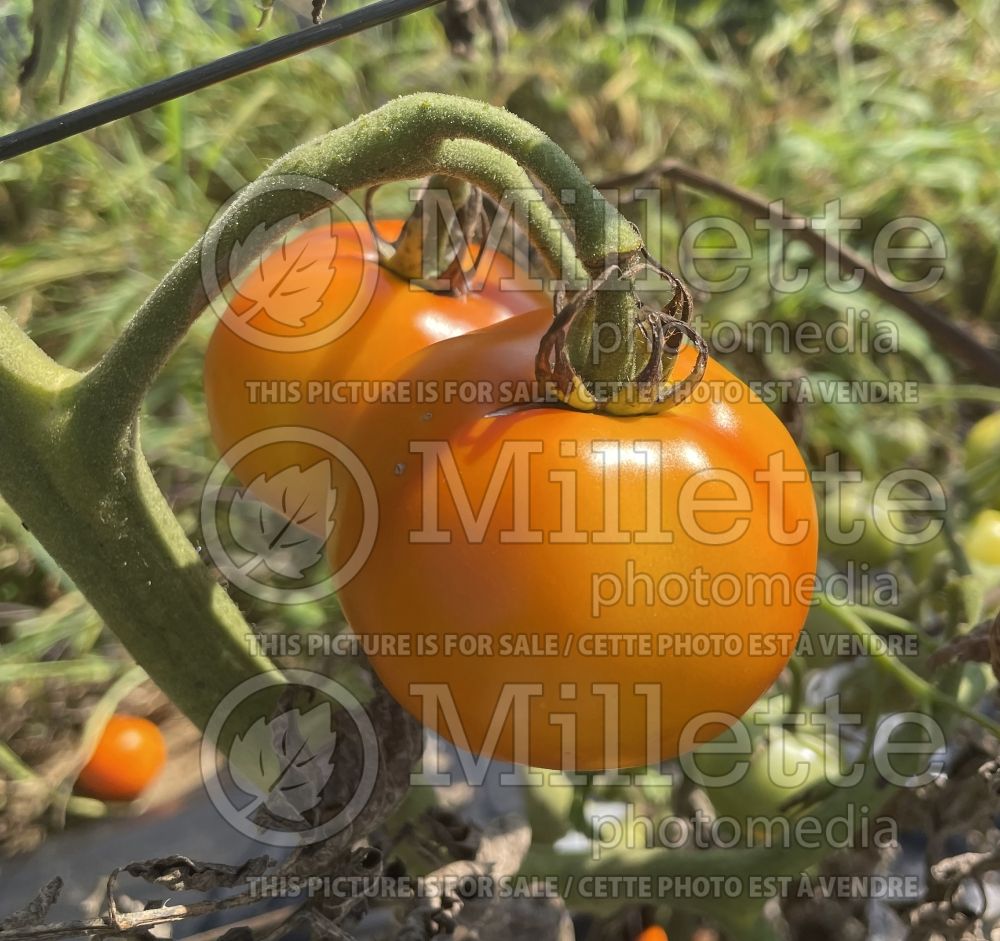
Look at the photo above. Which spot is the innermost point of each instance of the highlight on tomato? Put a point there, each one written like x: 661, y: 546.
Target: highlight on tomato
x: 129, y: 754
x: 313, y: 326
x: 579, y: 590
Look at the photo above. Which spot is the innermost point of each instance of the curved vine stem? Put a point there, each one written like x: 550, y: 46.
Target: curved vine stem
x: 103, y: 519
x: 413, y: 136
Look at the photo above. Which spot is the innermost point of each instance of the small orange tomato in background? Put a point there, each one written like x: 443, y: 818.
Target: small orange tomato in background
x: 652, y: 933
x: 129, y: 755
x: 313, y: 322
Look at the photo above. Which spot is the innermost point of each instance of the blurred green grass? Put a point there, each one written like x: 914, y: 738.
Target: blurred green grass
x: 893, y: 109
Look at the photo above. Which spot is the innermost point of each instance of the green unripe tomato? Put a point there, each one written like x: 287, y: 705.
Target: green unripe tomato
x: 977, y: 680
x: 982, y: 461
x: 842, y: 509
x: 547, y: 805
x: 920, y: 561
x: 817, y: 645
x: 982, y: 539
x: 903, y: 441
x: 781, y: 765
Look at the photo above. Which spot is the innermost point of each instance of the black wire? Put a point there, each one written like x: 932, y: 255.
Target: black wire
x: 239, y: 63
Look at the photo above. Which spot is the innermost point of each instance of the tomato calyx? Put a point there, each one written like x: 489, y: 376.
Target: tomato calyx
x: 661, y: 332
x: 630, y: 378
x: 451, y: 268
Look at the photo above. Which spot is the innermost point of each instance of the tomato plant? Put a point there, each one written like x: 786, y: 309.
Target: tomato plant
x: 583, y: 537
x: 537, y: 562
x: 278, y: 356
x: 129, y: 755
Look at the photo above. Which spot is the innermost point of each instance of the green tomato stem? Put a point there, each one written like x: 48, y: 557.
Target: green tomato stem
x: 886, y: 619
x: 912, y: 682
x: 12, y: 766
x: 407, y: 256
x: 931, y: 395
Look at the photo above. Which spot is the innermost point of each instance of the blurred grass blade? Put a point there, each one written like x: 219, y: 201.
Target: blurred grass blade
x: 54, y: 24
x: 91, y: 669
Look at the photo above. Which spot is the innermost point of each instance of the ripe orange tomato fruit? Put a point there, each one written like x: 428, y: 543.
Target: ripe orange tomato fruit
x: 652, y: 933
x: 619, y: 569
x: 316, y: 315
x: 129, y: 755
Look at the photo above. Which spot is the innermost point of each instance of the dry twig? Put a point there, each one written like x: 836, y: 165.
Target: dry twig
x: 983, y: 361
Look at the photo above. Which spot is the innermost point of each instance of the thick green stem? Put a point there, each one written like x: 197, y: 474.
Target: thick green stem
x: 410, y: 137
x: 105, y: 522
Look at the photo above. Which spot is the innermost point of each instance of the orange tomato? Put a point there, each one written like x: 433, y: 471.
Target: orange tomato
x: 576, y: 589
x: 129, y: 755
x: 310, y: 331
x: 652, y: 933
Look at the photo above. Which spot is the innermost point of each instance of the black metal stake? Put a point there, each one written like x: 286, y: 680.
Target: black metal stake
x: 239, y: 63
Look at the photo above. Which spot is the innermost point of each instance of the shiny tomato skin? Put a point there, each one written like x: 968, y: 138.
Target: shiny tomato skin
x: 129, y: 754
x: 266, y: 377
x: 450, y: 580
